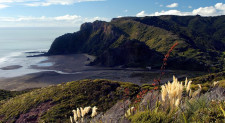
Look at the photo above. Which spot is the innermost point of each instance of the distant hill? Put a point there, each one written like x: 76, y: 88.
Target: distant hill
x: 142, y: 41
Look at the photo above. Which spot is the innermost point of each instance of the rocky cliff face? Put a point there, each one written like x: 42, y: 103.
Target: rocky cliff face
x: 132, y: 53
x: 93, y: 38
x: 198, y: 37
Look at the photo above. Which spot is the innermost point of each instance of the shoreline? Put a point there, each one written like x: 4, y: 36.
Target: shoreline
x: 74, y: 67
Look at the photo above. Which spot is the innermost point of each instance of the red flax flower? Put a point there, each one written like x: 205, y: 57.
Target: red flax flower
x: 165, y: 62
x: 140, y: 95
x: 155, y: 88
x: 126, y: 92
x: 156, y: 81
x: 145, y: 91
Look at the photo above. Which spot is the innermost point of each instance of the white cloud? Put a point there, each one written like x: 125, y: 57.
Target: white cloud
x: 33, y: 3
x: 11, y: 1
x: 169, y: 12
x: 57, y: 2
x: 189, y: 7
x: 43, y: 21
x: 220, y: 6
x: 205, y: 11
x: 218, y: 9
x: 67, y: 17
x: 17, y: 1
x: 2, y: 6
x: 141, y: 14
x: 173, y: 5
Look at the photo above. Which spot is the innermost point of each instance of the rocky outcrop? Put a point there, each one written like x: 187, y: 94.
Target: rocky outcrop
x: 130, y: 54
x: 33, y: 116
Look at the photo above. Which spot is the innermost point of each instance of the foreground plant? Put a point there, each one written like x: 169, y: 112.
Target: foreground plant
x: 173, y: 91
x: 80, y: 113
x: 203, y: 110
x: 129, y: 112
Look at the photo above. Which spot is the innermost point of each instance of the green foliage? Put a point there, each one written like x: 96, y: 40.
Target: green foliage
x: 193, y: 110
x: 66, y: 97
x: 209, y: 78
x: 212, y: 113
x: 203, y: 110
x: 147, y: 87
x: 200, y: 47
x: 221, y: 83
x: 194, y: 105
x: 4, y: 94
x: 151, y: 117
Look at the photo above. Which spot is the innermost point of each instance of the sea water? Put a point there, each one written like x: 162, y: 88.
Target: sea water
x: 18, y: 43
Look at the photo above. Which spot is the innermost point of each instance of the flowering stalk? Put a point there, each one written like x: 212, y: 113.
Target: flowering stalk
x: 163, y: 67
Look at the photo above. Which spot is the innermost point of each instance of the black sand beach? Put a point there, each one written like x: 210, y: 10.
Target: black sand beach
x: 74, y: 67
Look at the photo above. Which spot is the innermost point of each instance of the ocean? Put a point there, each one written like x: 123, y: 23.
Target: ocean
x: 18, y: 43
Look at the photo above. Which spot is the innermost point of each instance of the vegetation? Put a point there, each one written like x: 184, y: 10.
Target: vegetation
x: 151, y: 117
x: 200, y: 47
x: 210, y: 78
x: 196, y: 110
x: 189, y: 109
x: 58, y: 103
x: 64, y: 98
x: 4, y: 95
x: 134, y: 42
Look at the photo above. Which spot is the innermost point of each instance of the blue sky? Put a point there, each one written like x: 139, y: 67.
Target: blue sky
x: 69, y: 13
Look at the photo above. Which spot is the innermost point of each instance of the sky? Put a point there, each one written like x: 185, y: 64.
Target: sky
x: 72, y: 13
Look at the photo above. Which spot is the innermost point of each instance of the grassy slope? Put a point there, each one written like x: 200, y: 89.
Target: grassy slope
x: 199, y: 46
x: 196, y: 43
x: 101, y: 93
x: 4, y: 94
x: 66, y: 97
x: 200, y: 109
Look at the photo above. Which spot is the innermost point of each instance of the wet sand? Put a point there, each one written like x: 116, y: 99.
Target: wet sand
x: 12, y: 67
x: 64, y: 68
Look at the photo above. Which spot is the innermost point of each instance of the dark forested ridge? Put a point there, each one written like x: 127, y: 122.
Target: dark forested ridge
x: 142, y: 41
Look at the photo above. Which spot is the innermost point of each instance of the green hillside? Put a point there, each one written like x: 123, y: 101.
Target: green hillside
x: 55, y: 103
x: 201, y: 41
x: 4, y: 94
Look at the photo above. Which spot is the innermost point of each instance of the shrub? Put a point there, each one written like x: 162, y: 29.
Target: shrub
x: 151, y: 117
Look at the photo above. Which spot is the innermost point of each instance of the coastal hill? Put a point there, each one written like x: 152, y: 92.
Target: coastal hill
x: 55, y: 103
x: 142, y: 41
x: 112, y: 98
